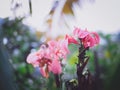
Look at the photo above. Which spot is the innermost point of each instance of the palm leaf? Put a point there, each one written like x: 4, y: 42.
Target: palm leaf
x: 61, y: 10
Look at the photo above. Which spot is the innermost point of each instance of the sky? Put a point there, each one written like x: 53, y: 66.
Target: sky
x: 103, y: 15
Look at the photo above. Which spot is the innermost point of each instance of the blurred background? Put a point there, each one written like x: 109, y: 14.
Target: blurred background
x: 26, y: 24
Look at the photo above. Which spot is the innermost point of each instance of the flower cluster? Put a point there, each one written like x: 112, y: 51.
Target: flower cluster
x: 49, y: 56
x: 88, y: 39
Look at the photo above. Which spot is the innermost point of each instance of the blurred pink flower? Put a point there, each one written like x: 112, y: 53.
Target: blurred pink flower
x: 59, y: 49
x: 41, y: 59
x: 71, y: 39
x: 80, y: 33
x: 48, y: 57
x: 45, y: 71
x: 88, y: 39
x: 33, y: 59
x: 96, y: 37
x: 91, y: 40
x: 56, y: 67
x: 63, y: 47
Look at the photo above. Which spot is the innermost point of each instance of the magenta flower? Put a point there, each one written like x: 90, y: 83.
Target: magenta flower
x: 37, y: 61
x: 33, y: 59
x: 71, y: 39
x: 80, y: 33
x: 88, y: 39
x: 59, y: 49
x: 45, y: 70
x: 96, y: 37
x: 56, y: 67
x: 41, y: 59
x: 48, y: 57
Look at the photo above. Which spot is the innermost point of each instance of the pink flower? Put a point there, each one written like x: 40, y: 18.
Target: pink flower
x: 43, y: 63
x: 56, y: 67
x: 41, y: 59
x: 63, y: 47
x: 45, y: 71
x: 96, y: 37
x: 91, y: 40
x: 52, y: 44
x: 45, y: 67
x: 88, y: 39
x: 48, y: 57
x: 33, y: 59
x: 80, y: 33
x: 59, y: 49
x: 71, y: 39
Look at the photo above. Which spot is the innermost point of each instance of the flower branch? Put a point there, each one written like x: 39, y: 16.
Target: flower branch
x: 50, y: 56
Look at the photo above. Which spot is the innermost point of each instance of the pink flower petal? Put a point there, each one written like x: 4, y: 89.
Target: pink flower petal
x: 80, y: 33
x: 44, y: 73
x: 96, y: 37
x: 83, y: 34
x: 91, y: 40
x: 71, y: 39
x: 56, y: 67
x: 33, y: 59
